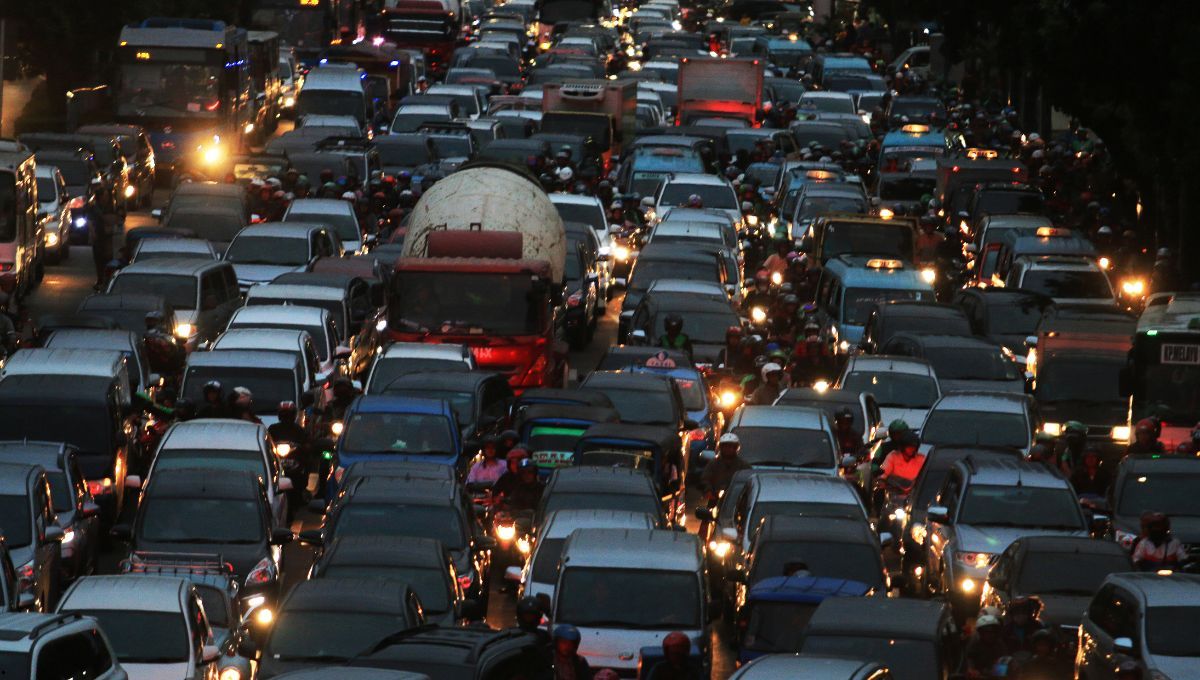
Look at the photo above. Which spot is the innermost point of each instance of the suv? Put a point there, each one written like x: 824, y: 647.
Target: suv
x: 204, y: 293
x: 57, y: 647
x: 983, y: 506
x: 714, y: 192
x: 1065, y: 279
x: 334, y: 213
x: 1150, y: 617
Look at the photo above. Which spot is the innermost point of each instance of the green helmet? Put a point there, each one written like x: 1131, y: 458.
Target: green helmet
x: 1074, y: 427
x: 896, y: 427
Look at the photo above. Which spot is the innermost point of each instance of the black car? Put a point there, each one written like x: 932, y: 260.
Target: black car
x: 460, y: 654
x: 129, y: 310
x: 619, y: 357
x: 667, y: 261
x: 227, y: 513
x: 1004, y: 198
x: 420, y: 562
x: 581, y: 288
x: 962, y: 363
x: 898, y: 316
x: 599, y: 488
x: 514, y: 150
x: 421, y: 507
x: 916, y: 640
x: 706, y: 322
x: 642, y: 398
x: 1006, y: 316
x: 1148, y: 483
x: 482, y: 402
x: 333, y: 620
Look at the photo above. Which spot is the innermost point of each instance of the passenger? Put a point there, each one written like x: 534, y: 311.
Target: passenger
x: 1069, y: 449
x: 717, y: 475
x: 848, y: 437
x: 1158, y: 549
x: 568, y: 664
x: 1021, y: 623
x: 674, y: 337
x: 1091, y: 479
x: 214, y: 401
x: 524, y: 494
x: 488, y: 469
x: 678, y: 662
x: 769, y: 390
x: 985, y: 647
x: 1145, y: 438
x: 241, y: 405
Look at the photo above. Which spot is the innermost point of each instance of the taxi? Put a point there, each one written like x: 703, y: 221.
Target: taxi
x: 911, y: 141
x: 851, y: 285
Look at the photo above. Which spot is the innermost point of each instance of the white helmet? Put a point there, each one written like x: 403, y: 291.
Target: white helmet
x: 729, y: 438
x: 565, y: 174
x: 985, y: 621
x: 770, y: 368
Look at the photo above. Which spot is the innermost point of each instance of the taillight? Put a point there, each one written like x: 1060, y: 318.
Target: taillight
x: 100, y: 487
x: 575, y: 299
x: 6, y: 266
x: 464, y: 581
x: 697, y: 435
x: 25, y: 572
x: 263, y: 572
x: 337, y: 474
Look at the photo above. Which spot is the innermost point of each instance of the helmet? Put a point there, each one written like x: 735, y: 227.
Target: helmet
x: 616, y: 205
x: 729, y: 438
x: 287, y: 407
x: 1146, y: 425
x: 908, y: 438
x: 526, y: 464
x: 565, y: 631
x: 212, y: 385
x: 762, y: 276
x: 791, y: 299
x: 1153, y: 519
x: 647, y: 202
x: 694, y: 201
x: 528, y: 607
x: 517, y: 454
x: 771, y: 367
x: 896, y: 427
x: 987, y: 621
x: 1106, y: 230
x: 1163, y: 253
x: 844, y: 414
x: 1074, y: 427
x: 676, y: 639
x: 154, y: 317
x: 1029, y: 603
x: 673, y: 322
x: 565, y: 174
x: 349, y: 196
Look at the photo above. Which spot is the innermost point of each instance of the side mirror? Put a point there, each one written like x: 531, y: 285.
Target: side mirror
x: 121, y: 532
x: 310, y: 537
x: 281, y: 536
x: 704, y: 515
x: 157, y: 214
x: 849, y: 461
x: 53, y: 533
x: 210, y: 653
x: 89, y: 510
x: 133, y: 482
x: 513, y: 574
x: 1123, y: 645
x: 285, y: 484
x: 938, y: 513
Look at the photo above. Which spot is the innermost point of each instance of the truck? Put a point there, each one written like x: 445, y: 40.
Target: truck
x: 719, y: 88
x: 617, y: 99
x: 958, y: 175
x: 482, y: 266
x: 430, y: 26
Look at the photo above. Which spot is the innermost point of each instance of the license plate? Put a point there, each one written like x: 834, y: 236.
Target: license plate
x: 552, y: 458
x: 1180, y: 354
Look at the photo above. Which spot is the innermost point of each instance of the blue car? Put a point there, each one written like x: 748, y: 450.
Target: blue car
x: 394, y: 428
x: 777, y: 610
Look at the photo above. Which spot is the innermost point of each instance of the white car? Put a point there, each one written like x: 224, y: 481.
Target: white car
x: 795, y: 437
x: 52, y: 212
x: 337, y: 214
x: 317, y: 322
x: 904, y: 388
x: 261, y: 252
x: 715, y: 193
x: 411, y: 357
x: 159, y: 248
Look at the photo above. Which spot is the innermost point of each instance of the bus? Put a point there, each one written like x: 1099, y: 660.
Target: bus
x: 20, y: 238
x: 307, y: 26
x: 187, y: 82
x: 1162, y: 376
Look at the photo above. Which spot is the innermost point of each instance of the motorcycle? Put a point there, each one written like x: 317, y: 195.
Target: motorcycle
x: 513, y: 530
x: 894, y: 498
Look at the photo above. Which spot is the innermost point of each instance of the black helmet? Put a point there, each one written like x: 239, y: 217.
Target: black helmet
x: 184, y: 408
x: 510, y: 436
x: 908, y: 438
x: 844, y: 413
x: 529, y: 609
x: 673, y: 322
x: 211, y: 386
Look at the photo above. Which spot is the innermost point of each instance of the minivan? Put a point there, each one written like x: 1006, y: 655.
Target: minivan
x: 203, y: 293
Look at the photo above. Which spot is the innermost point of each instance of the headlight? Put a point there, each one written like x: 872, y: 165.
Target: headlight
x: 967, y: 585
x: 978, y: 560
x: 1133, y: 287
x: 821, y: 385
x: 263, y: 616
x: 720, y: 548
x: 51, y: 239
x: 80, y: 222
x: 184, y: 331
x: 1120, y: 433
x: 337, y: 427
x: 249, y: 128
x: 289, y: 102
x: 917, y: 531
x: 844, y: 345
x: 758, y: 315
x: 230, y: 673
x: 621, y: 253
x: 899, y: 515
x: 928, y: 275
x: 729, y: 398
x: 752, y: 220
x: 1052, y: 429
x: 212, y: 155
x: 283, y: 450
x: 776, y: 278
x: 256, y: 601
x: 68, y: 536
x: 523, y: 545
x: 506, y: 532
x: 130, y: 190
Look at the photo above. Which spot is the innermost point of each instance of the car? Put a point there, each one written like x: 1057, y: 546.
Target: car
x: 58, y: 646
x: 332, y: 300
x: 363, y: 294
x: 962, y: 363
x: 915, y: 639
x: 581, y: 291
x: 646, y: 165
x: 983, y: 506
x: 77, y: 513
x: 795, y: 437
x: 220, y: 445
x: 399, y: 358
x: 1064, y: 279
x: 583, y: 209
x: 214, y: 223
x: 336, y: 214
x: 587, y: 487
x: 474, y: 653
x: 899, y: 316
x: 782, y: 666
x: 52, y: 212
x: 420, y: 507
x: 272, y: 377
x: 188, y: 196
x: 293, y: 341
x: 776, y: 609
x: 619, y: 357
x: 642, y: 398
x: 399, y: 427
x: 817, y: 198
x: 228, y: 513
x: 603, y: 570
x: 540, y: 573
x: 903, y: 388
x: 420, y: 562
x: 129, y: 310
x: 706, y: 322
x: 669, y: 261
x: 981, y: 419
x: 714, y: 192
x: 134, y: 145
x: 1063, y: 572
x: 318, y: 323
x: 851, y: 287
x: 334, y: 620
x: 1150, y: 617
x: 827, y: 102
x: 1149, y: 483
x: 261, y: 252
x: 482, y: 401
x: 868, y: 423
x: 1006, y: 316
x: 156, y: 624
x: 203, y: 293
x: 1003, y: 198
x: 31, y: 532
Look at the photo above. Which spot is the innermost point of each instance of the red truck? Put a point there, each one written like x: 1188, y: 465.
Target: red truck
x: 617, y: 99
x: 719, y: 88
x: 483, y: 266
x: 430, y: 26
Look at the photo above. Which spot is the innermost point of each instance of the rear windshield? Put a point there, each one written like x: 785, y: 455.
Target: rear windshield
x: 179, y: 291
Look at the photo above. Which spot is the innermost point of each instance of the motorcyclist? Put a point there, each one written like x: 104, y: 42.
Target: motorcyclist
x: 529, y: 620
x: 777, y: 263
x: 506, y: 442
x: 214, y: 401
x: 715, y: 478
x: 343, y: 395
x: 771, y: 386
x: 241, y: 405
x: 674, y: 337
x: 985, y: 647
x: 810, y: 357
x: 1044, y: 661
x: 848, y: 437
x: 761, y: 296
x: 287, y: 429
x: 164, y: 354
x: 678, y: 662
x: 1069, y: 450
x: 524, y: 494
x: 1158, y: 549
x: 905, y: 461
x: 184, y: 410
x: 1021, y: 622
x: 1090, y: 479
x: 1145, y: 438
x: 568, y: 664
x: 488, y: 469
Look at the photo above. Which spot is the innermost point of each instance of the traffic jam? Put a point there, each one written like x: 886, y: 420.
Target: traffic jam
x: 572, y: 340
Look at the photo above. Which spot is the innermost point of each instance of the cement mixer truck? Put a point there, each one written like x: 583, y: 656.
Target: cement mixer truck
x: 482, y: 265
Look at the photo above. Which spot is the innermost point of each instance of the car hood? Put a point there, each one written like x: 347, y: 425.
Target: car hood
x: 1063, y: 610
x: 913, y: 416
x: 618, y: 648
x: 157, y: 671
x: 1173, y: 667
x: 263, y: 273
x: 1104, y: 415
x: 1006, y: 386
x: 994, y: 540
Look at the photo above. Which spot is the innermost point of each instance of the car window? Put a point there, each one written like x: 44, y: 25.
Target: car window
x: 74, y: 657
x: 211, y: 284
x: 1114, y: 612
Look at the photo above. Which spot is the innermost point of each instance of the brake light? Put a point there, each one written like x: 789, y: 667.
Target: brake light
x: 6, y: 266
x: 697, y: 435
x: 464, y: 581
x: 100, y: 487
x: 575, y: 299
x: 75, y: 203
x: 25, y: 572
x: 263, y: 572
x: 337, y: 474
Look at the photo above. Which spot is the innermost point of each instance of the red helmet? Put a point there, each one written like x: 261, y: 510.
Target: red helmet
x: 676, y: 639
x: 517, y: 454
x: 762, y: 276
x: 1147, y: 425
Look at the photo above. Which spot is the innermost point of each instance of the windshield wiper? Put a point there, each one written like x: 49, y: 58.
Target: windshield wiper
x: 777, y: 463
x: 315, y: 657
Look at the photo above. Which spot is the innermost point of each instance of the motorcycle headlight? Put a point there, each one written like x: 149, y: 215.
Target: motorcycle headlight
x: 917, y: 531
x: 1120, y: 433
x: 80, y: 222
x: 1052, y: 429
x: 928, y: 275
x: 729, y: 399
x: 720, y: 548
x: 776, y: 278
x: 283, y: 449
x: 899, y: 514
x: 758, y: 315
x: 51, y: 239
x: 336, y: 428
x: 230, y: 673
x: 183, y: 331
x: 506, y: 532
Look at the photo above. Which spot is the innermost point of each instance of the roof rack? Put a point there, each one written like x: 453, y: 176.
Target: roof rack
x: 148, y: 562
x: 342, y: 142
x: 58, y: 620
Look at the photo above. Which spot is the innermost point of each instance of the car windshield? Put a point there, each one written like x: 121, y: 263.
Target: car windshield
x: 169, y: 90
x: 932, y: 323
x: 345, y: 226
x: 777, y: 626
x: 545, y: 560
x: 591, y: 215
x: 462, y: 403
x: 214, y: 226
x: 633, y: 502
x: 432, y: 586
x: 178, y: 291
x: 1018, y: 317
x: 1173, y: 494
x: 90, y: 429
x: 907, y: 659
x: 645, y: 407
x: 599, y: 598
x: 693, y: 392
x: 47, y: 189
x: 647, y: 271
x: 387, y: 370
x: 61, y: 493
x: 946, y: 427
x: 811, y: 206
x: 200, y: 521
x: 1009, y: 203
x: 1094, y: 380
x: 75, y: 173
x: 856, y: 562
x: 439, y: 522
x: 851, y: 238
x: 292, y: 252
x: 329, y: 103
x: 323, y: 636
x: 268, y: 386
x: 553, y: 439
x: 702, y: 327
x: 711, y: 195
x: 143, y: 636
x: 894, y: 390
x: 969, y: 363
x: 791, y: 447
x: 1067, y: 573
x: 1173, y: 631
x: 827, y: 104
x: 411, y: 121
x: 15, y: 521
x: 848, y: 510
x: 1067, y: 283
x: 504, y: 304
x: 211, y: 459
x: 398, y: 433
x: 1022, y: 506
x: 860, y: 302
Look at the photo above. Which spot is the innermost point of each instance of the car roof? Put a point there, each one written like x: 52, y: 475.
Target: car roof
x: 244, y: 358
x: 800, y: 396
x: 321, y: 206
x: 789, y: 417
x: 1014, y: 471
x: 944, y: 341
x: 919, y: 308
x: 880, y: 617
x: 645, y: 382
x: 657, y: 549
x: 215, y: 433
x: 402, y: 491
x: 830, y: 529
x: 351, y: 673
x: 280, y: 314
x: 393, y: 551
x: 697, y: 178
x: 289, y: 229
x: 46, y: 454
x: 174, y: 266
x: 1162, y: 590
x: 888, y: 363
x: 187, y: 483
x: 294, y: 291
x: 14, y: 477
x: 788, y: 666
x: 147, y: 594
x: 54, y: 389
x: 855, y: 274
x: 174, y: 245
x: 596, y: 479
x: 688, y: 286
x: 983, y: 402
x: 460, y: 380
x: 283, y: 339
x: 1071, y: 544
x: 560, y: 523
x: 1160, y: 465
x: 575, y: 199
x: 69, y: 361
x: 398, y: 350
x: 338, y: 594
x: 114, y: 339
x: 804, y: 487
x: 390, y: 403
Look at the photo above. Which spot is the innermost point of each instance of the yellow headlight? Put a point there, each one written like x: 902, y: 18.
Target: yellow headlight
x: 231, y: 673
x: 720, y: 548
x: 758, y: 315
x: 213, y: 155
x: 1121, y: 433
x: 263, y: 616
x: 523, y: 546
x: 776, y: 278
x: 51, y: 239
x: 283, y: 450
x: 337, y: 427
x: 928, y: 275
x: 886, y: 213
x: 1052, y: 429
x: 506, y: 532
x: 752, y: 220
x: 130, y: 190
x: 729, y: 399
x: 289, y: 102
x: 1133, y: 287
x: 821, y: 385
x: 621, y: 252
x: 968, y: 585
x: 183, y: 330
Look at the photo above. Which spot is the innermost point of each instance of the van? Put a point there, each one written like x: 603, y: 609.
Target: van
x: 333, y: 89
x: 604, y: 570
x: 19, y: 233
x: 111, y: 365
x: 203, y: 293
